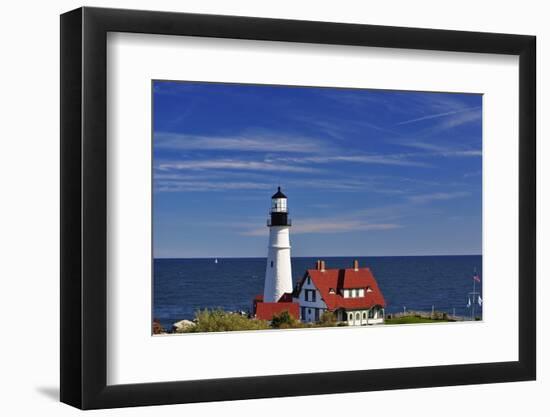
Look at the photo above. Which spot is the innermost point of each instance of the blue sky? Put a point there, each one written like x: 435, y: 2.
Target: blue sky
x: 367, y: 172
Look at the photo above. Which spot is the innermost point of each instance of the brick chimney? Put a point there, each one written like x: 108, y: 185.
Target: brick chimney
x: 356, y: 265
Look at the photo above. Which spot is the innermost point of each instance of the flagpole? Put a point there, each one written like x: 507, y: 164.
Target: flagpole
x: 473, y: 299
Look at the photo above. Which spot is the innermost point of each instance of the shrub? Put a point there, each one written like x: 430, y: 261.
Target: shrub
x: 328, y: 319
x: 222, y: 321
x: 284, y: 320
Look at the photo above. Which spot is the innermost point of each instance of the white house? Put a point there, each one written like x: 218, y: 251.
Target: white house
x: 351, y: 293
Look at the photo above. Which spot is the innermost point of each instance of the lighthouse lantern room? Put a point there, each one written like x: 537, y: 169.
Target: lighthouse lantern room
x: 278, y: 273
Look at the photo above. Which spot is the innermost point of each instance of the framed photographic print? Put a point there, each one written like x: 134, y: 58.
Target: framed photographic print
x: 242, y: 196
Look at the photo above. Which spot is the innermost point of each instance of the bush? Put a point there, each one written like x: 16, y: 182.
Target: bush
x: 221, y: 321
x: 328, y: 319
x: 284, y: 320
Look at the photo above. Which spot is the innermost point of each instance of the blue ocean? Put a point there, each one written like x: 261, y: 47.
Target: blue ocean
x: 182, y: 286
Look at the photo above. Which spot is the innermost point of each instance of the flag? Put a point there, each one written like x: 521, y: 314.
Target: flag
x: 469, y: 303
x: 479, y: 300
x: 476, y: 278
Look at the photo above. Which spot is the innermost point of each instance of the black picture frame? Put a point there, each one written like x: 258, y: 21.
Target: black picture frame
x: 84, y: 207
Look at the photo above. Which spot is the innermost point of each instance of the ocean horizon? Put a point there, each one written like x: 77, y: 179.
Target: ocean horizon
x: 414, y: 282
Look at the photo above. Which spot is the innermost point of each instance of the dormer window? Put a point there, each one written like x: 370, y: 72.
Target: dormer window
x: 331, y: 291
x: 369, y: 289
x: 353, y: 292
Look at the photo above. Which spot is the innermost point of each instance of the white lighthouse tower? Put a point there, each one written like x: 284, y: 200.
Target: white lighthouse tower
x: 278, y: 273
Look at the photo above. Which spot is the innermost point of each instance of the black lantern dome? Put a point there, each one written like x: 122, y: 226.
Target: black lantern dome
x: 278, y: 194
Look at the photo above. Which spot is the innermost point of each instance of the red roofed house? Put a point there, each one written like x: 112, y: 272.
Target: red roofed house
x: 351, y: 293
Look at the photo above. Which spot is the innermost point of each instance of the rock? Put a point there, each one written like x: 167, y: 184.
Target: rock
x: 157, y: 327
x: 182, y: 326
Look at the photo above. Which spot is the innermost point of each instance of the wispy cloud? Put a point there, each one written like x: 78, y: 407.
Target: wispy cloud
x: 340, y: 127
x: 231, y: 164
x: 180, y: 186
x: 441, y: 196
x: 323, y: 226
x: 346, y: 184
x: 472, y: 174
x: 245, y: 142
x: 399, y: 159
x: 441, y: 150
x: 475, y: 112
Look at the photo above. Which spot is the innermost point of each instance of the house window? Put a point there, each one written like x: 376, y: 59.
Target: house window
x: 357, y: 316
x: 371, y: 313
x: 316, y: 314
x: 331, y: 291
x: 308, y: 281
x: 364, y: 315
x: 271, y: 264
x: 361, y: 292
x: 310, y: 295
x: 303, y: 313
x: 350, y: 317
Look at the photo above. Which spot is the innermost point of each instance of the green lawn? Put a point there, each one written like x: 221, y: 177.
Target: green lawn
x: 414, y: 320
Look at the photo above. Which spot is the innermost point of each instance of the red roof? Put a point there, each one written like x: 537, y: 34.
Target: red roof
x: 338, y: 279
x: 266, y: 311
x: 286, y: 298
